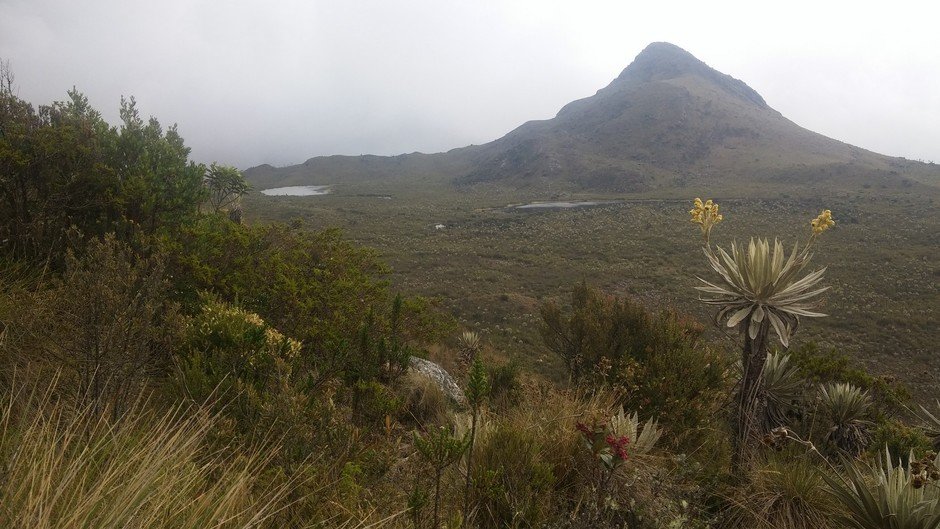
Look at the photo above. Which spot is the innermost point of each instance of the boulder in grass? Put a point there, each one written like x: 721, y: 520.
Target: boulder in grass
x: 440, y: 377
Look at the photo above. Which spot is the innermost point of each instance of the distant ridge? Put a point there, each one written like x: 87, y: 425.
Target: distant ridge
x: 668, y: 121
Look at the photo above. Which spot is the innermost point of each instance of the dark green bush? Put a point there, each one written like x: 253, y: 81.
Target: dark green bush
x: 62, y: 167
x: 313, y: 286
x: 376, y: 402
x: 889, y: 395
x: 900, y: 439
x: 505, y: 387
x: 112, y: 327
x: 659, y: 363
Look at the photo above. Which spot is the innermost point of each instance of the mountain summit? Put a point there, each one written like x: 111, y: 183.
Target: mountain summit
x: 667, y: 121
x: 661, y: 61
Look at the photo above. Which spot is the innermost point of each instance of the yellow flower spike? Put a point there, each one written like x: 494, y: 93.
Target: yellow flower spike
x: 823, y: 222
x: 705, y: 215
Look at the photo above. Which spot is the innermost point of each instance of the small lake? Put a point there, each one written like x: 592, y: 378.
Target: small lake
x: 296, y: 191
x: 534, y: 205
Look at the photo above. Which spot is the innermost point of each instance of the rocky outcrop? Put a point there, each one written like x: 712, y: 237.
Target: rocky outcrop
x: 440, y: 377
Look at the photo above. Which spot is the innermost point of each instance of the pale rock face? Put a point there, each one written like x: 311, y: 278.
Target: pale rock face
x: 440, y: 377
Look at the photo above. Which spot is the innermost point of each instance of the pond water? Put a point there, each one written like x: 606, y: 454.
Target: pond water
x: 534, y: 205
x: 296, y: 191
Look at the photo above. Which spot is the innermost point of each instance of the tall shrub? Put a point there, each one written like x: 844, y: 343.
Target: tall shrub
x: 658, y: 362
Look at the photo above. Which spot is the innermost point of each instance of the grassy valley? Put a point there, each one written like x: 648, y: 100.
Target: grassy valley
x: 492, y: 264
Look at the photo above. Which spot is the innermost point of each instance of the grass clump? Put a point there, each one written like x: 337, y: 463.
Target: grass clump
x: 424, y: 402
x: 75, y: 468
x: 786, y: 492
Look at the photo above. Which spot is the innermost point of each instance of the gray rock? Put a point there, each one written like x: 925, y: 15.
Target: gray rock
x: 440, y: 377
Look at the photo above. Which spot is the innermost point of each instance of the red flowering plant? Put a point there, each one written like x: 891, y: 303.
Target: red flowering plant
x: 604, y: 444
x: 608, y: 448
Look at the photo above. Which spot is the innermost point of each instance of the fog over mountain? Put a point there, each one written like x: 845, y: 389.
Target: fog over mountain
x: 252, y: 83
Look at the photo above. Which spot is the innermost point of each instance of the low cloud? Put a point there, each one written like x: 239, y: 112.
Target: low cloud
x: 263, y: 82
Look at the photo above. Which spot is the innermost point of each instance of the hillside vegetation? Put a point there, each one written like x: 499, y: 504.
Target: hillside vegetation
x: 167, y: 360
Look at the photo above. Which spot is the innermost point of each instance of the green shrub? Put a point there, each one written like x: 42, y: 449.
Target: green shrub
x: 252, y: 375
x: 680, y: 380
x: 234, y: 357
x: 65, y: 169
x: 376, y: 402
x: 440, y: 449
x: 312, y: 286
x: 512, y: 480
x: 505, y: 387
x: 889, y: 396
x: 900, y: 440
x: 254, y: 379
x: 594, y: 329
x: 528, y: 466
x: 27, y: 307
x: 658, y: 362
x: 112, y: 328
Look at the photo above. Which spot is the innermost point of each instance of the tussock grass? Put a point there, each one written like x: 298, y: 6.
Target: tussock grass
x: 65, y: 467
x: 425, y: 402
x: 785, y: 493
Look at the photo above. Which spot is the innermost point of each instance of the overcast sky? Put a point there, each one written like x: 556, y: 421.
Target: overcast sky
x: 278, y: 82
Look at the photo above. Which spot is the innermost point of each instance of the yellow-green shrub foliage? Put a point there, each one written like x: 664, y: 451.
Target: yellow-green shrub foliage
x: 313, y: 286
x: 233, y: 356
x: 252, y: 375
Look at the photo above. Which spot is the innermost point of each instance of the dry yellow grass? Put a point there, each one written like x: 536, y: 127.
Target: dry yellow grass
x: 68, y: 468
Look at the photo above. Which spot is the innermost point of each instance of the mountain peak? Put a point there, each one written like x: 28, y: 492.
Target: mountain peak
x: 666, y: 51
x: 662, y: 61
x: 669, y: 121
